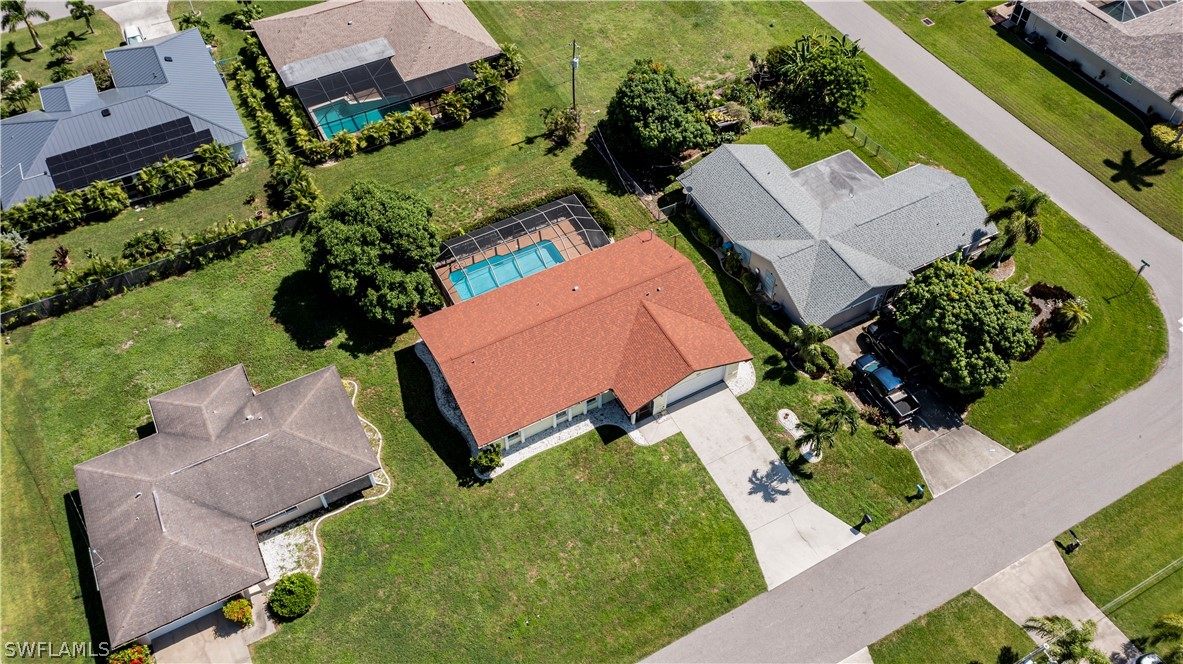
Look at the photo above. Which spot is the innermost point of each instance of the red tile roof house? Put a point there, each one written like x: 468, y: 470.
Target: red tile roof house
x: 631, y: 322
x: 173, y: 519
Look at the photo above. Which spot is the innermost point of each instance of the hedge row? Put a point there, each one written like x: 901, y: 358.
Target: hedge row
x: 507, y: 211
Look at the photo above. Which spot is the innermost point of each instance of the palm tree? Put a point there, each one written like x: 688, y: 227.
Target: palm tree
x: 1022, y: 212
x: 1074, y: 313
x: 20, y: 96
x: 808, y: 341
x: 1167, y: 638
x: 17, y: 12
x: 1068, y: 642
x: 61, y: 260
x: 63, y: 48
x: 816, y: 434
x: 62, y: 72
x: 1176, y: 96
x: 839, y: 412
x: 80, y: 11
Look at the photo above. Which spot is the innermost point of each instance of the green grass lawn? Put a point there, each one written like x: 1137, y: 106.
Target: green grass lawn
x: 16, y: 48
x: 1086, y: 124
x: 965, y: 630
x: 608, y: 550
x: 1126, y: 543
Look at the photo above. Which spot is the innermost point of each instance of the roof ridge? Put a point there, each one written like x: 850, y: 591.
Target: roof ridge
x: 212, y: 554
x: 944, y: 186
x: 661, y: 328
x: 126, y: 617
x: 343, y: 453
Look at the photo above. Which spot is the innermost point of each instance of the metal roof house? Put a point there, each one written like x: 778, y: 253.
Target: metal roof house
x: 1130, y: 47
x: 831, y: 241
x: 168, y: 99
x: 352, y: 61
x: 173, y: 519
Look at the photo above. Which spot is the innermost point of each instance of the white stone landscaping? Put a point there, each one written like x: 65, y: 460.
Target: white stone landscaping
x: 744, y: 380
x: 791, y: 423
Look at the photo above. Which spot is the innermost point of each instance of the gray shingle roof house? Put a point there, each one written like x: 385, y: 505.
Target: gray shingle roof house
x: 1130, y: 46
x: 831, y: 240
x: 168, y: 99
x: 349, y: 61
x: 173, y: 518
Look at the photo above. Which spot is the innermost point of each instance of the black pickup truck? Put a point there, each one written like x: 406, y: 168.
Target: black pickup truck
x: 888, y: 343
x: 885, y: 388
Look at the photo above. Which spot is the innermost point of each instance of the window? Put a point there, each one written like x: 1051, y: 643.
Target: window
x: 513, y: 438
x: 1129, y: 80
x: 562, y: 416
x: 591, y: 403
x: 1061, y: 36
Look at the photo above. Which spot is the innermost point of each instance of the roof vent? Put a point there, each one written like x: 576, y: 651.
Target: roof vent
x: 106, y: 113
x: 349, y: 23
x: 168, y: 58
x: 575, y: 289
x: 139, y: 493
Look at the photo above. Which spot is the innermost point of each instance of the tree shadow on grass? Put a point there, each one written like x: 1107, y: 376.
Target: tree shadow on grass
x: 312, y: 316
x: 796, y: 463
x: 421, y: 410
x: 590, y: 165
x: 1137, y: 176
x: 88, y: 590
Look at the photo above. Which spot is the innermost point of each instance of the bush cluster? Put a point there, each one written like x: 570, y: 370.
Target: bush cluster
x: 239, y: 611
x: 487, y: 460
x: 293, y: 595
x: 1163, y: 137
x: 148, y: 245
x: 137, y: 654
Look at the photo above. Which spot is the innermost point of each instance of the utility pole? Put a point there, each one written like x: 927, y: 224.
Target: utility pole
x: 574, y: 66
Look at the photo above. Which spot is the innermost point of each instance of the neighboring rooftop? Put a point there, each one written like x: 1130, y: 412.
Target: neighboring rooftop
x: 169, y: 517
x: 834, y: 229
x: 169, y: 98
x: 633, y: 317
x: 420, y: 38
x: 1142, y: 37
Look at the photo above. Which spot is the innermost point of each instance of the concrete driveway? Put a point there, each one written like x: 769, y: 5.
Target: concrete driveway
x: 150, y: 16
x: 1040, y: 584
x: 789, y: 532
x: 214, y: 640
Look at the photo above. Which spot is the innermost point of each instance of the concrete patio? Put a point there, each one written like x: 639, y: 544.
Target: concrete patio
x: 789, y: 532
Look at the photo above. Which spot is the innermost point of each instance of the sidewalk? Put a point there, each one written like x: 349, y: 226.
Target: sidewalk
x: 789, y: 532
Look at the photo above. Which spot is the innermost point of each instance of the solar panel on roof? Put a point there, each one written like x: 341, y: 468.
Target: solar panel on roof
x: 125, y: 154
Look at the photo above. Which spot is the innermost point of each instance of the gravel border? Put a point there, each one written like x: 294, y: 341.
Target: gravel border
x: 745, y: 379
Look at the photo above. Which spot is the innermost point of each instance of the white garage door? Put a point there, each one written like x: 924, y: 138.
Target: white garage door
x: 695, y: 382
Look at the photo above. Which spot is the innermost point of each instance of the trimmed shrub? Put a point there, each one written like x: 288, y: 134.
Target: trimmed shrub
x: 750, y: 282
x: 872, y: 415
x: 1163, y: 137
x: 766, y: 321
x: 842, y: 377
x: 732, y: 262
x: 137, y: 654
x: 148, y: 245
x: 830, y: 358
x: 101, y: 71
x: 293, y: 595
x: 453, y: 108
x: 239, y: 611
x: 487, y: 460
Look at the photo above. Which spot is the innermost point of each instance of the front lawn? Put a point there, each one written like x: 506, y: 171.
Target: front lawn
x: 16, y: 48
x: 1126, y: 543
x: 1086, y: 124
x: 597, y: 550
x: 966, y: 629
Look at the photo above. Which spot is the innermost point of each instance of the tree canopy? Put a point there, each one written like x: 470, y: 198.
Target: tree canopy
x: 375, y: 244
x: 965, y: 325
x: 820, y: 80
x: 658, y: 114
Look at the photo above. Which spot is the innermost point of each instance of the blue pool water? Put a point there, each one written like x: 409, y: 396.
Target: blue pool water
x: 500, y: 270
x: 342, y: 116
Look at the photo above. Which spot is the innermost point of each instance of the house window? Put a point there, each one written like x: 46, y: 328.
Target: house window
x: 592, y: 403
x: 562, y: 416
x: 1061, y: 36
x: 513, y: 438
x: 1129, y: 80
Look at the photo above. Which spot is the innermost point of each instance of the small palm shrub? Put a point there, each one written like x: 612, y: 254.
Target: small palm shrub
x: 62, y: 72
x: 105, y: 198
x: 487, y: 460
x: 177, y: 173
x: 562, y: 125
x: 293, y: 595
x: 1166, y: 140
x: 454, y: 109
x: 239, y: 611
x: 213, y: 160
x: 137, y: 654
x: 509, y: 64
x: 148, y: 244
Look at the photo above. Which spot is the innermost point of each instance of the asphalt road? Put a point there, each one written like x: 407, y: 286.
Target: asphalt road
x: 917, y: 563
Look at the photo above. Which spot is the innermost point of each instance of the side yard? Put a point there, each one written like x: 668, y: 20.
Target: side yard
x: 965, y: 629
x: 16, y: 48
x: 1086, y: 124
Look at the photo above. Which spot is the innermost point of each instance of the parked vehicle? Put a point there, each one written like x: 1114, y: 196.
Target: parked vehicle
x: 132, y: 35
x: 885, y: 389
x: 888, y: 343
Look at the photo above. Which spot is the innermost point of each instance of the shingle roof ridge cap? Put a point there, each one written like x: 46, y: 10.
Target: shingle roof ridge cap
x: 771, y: 195
x: 310, y: 10
x: 835, y: 243
x: 213, y: 554
x: 944, y: 186
x: 143, y: 583
x: 320, y: 377
x: 145, y: 439
x: 335, y: 450
x: 614, y: 292
x: 645, y: 304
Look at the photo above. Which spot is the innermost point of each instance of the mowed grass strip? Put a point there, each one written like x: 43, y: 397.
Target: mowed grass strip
x: 596, y: 550
x: 1088, y: 125
x: 965, y: 630
x: 1124, y: 545
x: 17, y: 52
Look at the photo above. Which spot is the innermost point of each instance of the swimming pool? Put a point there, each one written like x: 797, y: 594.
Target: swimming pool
x: 342, y: 116
x: 501, y: 270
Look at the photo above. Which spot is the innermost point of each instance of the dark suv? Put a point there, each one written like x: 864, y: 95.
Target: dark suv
x: 885, y: 388
x: 888, y: 343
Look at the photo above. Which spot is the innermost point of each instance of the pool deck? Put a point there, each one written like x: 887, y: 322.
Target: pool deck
x: 564, y: 235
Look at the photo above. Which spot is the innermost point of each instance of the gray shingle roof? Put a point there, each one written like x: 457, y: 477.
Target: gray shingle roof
x: 169, y: 516
x: 834, y: 229
x: 149, y: 91
x: 1146, y: 47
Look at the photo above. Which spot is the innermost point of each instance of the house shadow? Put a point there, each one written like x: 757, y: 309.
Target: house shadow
x: 1137, y: 176
x: 770, y: 484
x: 88, y: 589
x: 421, y: 410
x: 313, y: 317
x: 610, y: 433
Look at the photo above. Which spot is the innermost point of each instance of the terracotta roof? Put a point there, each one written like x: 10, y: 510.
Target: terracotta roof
x: 427, y: 36
x: 633, y: 317
x: 169, y: 516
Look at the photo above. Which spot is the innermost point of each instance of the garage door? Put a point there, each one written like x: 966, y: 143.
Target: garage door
x: 695, y: 382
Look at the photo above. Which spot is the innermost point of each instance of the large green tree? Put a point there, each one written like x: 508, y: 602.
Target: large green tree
x: 657, y: 115
x: 820, y: 80
x: 375, y: 245
x: 966, y: 326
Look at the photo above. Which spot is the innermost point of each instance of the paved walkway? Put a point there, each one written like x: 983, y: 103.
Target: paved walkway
x: 150, y: 16
x: 904, y: 570
x: 1041, y: 585
x: 789, y: 532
